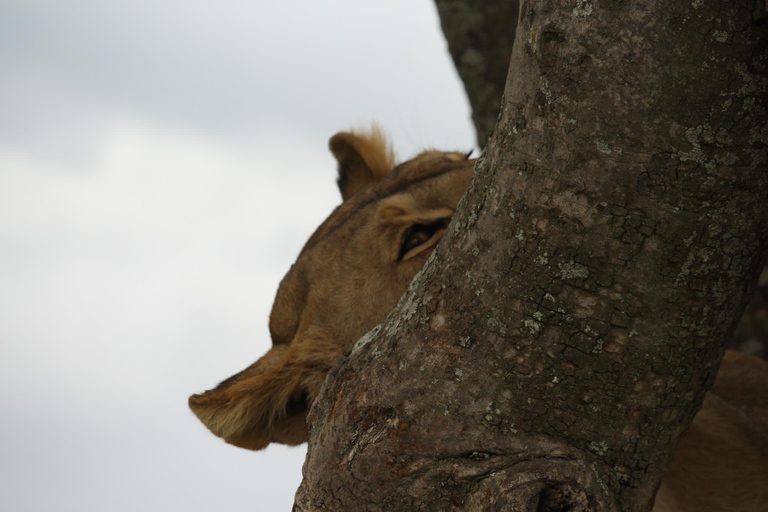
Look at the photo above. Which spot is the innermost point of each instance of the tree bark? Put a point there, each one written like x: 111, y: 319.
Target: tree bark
x: 480, y: 36
x: 480, y: 42
x: 563, y: 334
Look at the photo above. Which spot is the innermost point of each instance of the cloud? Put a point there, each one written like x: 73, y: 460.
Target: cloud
x: 154, y: 231
x: 143, y: 277
x: 243, y: 64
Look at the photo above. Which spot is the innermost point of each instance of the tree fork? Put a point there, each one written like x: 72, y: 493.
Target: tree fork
x: 564, y: 332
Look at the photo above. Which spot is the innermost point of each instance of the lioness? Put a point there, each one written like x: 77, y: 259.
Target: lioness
x: 350, y: 275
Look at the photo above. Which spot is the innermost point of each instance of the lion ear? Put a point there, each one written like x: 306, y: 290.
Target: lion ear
x: 363, y: 159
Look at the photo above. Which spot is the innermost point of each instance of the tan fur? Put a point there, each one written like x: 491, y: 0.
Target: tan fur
x: 721, y: 462
x: 363, y: 157
x: 352, y: 272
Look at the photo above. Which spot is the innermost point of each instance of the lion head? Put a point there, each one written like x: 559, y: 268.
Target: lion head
x: 347, y: 278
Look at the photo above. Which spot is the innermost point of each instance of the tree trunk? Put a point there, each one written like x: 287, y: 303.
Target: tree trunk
x: 564, y: 332
x: 480, y: 42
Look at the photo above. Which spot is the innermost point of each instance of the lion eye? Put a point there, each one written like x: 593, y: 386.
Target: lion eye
x: 419, y: 234
x: 416, y: 236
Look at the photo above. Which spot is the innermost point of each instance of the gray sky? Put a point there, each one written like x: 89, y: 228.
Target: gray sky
x: 161, y: 165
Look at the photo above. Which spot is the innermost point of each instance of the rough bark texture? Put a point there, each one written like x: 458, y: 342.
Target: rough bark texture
x: 566, y: 329
x: 480, y: 36
x: 480, y: 43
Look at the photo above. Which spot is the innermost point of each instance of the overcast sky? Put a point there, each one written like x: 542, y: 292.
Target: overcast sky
x: 161, y: 164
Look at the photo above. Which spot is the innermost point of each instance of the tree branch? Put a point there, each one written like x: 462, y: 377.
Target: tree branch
x: 480, y: 37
